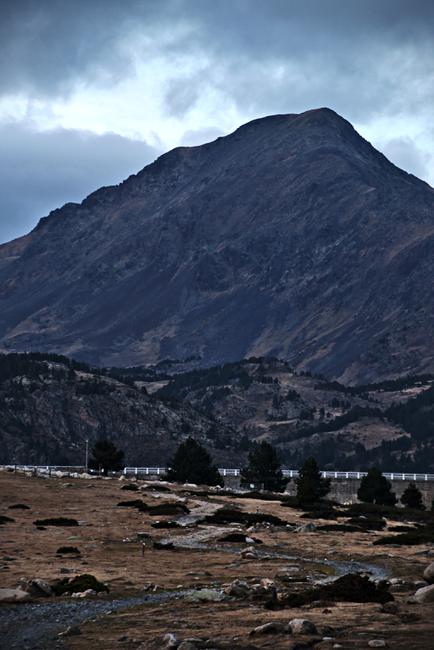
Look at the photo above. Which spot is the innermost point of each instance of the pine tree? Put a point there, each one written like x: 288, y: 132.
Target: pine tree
x: 311, y: 487
x: 192, y: 464
x: 105, y: 456
x: 264, y: 468
x: 412, y: 497
x: 375, y: 488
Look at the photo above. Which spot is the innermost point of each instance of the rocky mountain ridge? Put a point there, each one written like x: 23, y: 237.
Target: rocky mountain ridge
x: 290, y: 237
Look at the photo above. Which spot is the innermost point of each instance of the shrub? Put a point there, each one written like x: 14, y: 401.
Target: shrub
x: 228, y: 516
x: 66, y: 550
x: 423, y: 535
x: 56, y: 521
x: 352, y: 588
x: 79, y: 583
x: 6, y: 520
x: 135, y: 503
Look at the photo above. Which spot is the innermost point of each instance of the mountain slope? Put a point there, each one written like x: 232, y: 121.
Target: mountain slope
x: 292, y: 236
x: 50, y: 405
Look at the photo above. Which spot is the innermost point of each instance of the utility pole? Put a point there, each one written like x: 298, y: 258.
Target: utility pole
x: 87, y: 455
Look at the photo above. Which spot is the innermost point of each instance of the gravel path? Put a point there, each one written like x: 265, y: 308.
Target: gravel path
x: 36, y: 626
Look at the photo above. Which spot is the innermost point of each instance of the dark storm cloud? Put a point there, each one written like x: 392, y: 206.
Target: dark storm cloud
x: 46, y: 45
x: 364, y: 58
x: 41, y: 171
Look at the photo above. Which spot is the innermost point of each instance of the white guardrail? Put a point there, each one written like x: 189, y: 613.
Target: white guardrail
x: 161, y: 471
x: 290, y: 473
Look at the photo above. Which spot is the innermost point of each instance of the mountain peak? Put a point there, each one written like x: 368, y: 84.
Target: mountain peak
x: 290, y: 237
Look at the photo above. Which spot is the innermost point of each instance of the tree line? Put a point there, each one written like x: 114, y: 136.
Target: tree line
x: 192, y: 463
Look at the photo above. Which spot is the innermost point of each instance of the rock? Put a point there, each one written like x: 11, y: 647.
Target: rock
x: 205, y: 596
x: 170, y: 641
x: 270, y: 628
x: 238, y: 589
x: 377, y: 643
x: 84, y: 594
x: 187, y: 645
x: 418, y: 584
x: 249, y: 554
x: 390, y: 608
x: 424, y: 595
x: 302, y: 626
x: 38, y: 588
x: 14, y: 596
x: 428, y: 574
x: 306, y: 528
x: 72, y: 630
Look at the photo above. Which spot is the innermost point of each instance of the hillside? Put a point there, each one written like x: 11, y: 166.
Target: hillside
x: 291, y: 237
x: 389, y: 424
x: 50, y: 405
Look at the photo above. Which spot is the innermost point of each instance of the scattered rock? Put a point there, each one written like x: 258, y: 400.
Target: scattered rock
x: 302, y: 626
x: 428, y: 574
x: 72, y: 630
x: 270, y: 628
x: 187, y: 645
x: 249, y: 554
x: 84, y: 594
x: 238, y: 589
x: 170, y: 641
x: 14, y: 596
x: 38, y: 588
x: 164, y: 545
x: 423, y: 595
x: 306, y: 528
x: 390, y: 608
x: 205, y: 596
x: 377, y: 643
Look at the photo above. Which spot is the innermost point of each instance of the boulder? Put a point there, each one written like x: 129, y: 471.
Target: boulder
x: 424, y: 595
x: 170, y: 641
x: 249, y: 554
x: 14, y: 596
x: 270, y: 628
x: 428, y: 574
x: 302, y: 626
x: 377, y: 643
x: 205, y: 596
x: 38, y: 588
x: 238, y: 589
x: 306, y: 528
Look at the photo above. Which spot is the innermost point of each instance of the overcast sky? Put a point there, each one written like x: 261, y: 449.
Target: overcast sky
x: 93, y: 90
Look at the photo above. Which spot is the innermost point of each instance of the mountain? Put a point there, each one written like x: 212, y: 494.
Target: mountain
x: 290, y: 237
